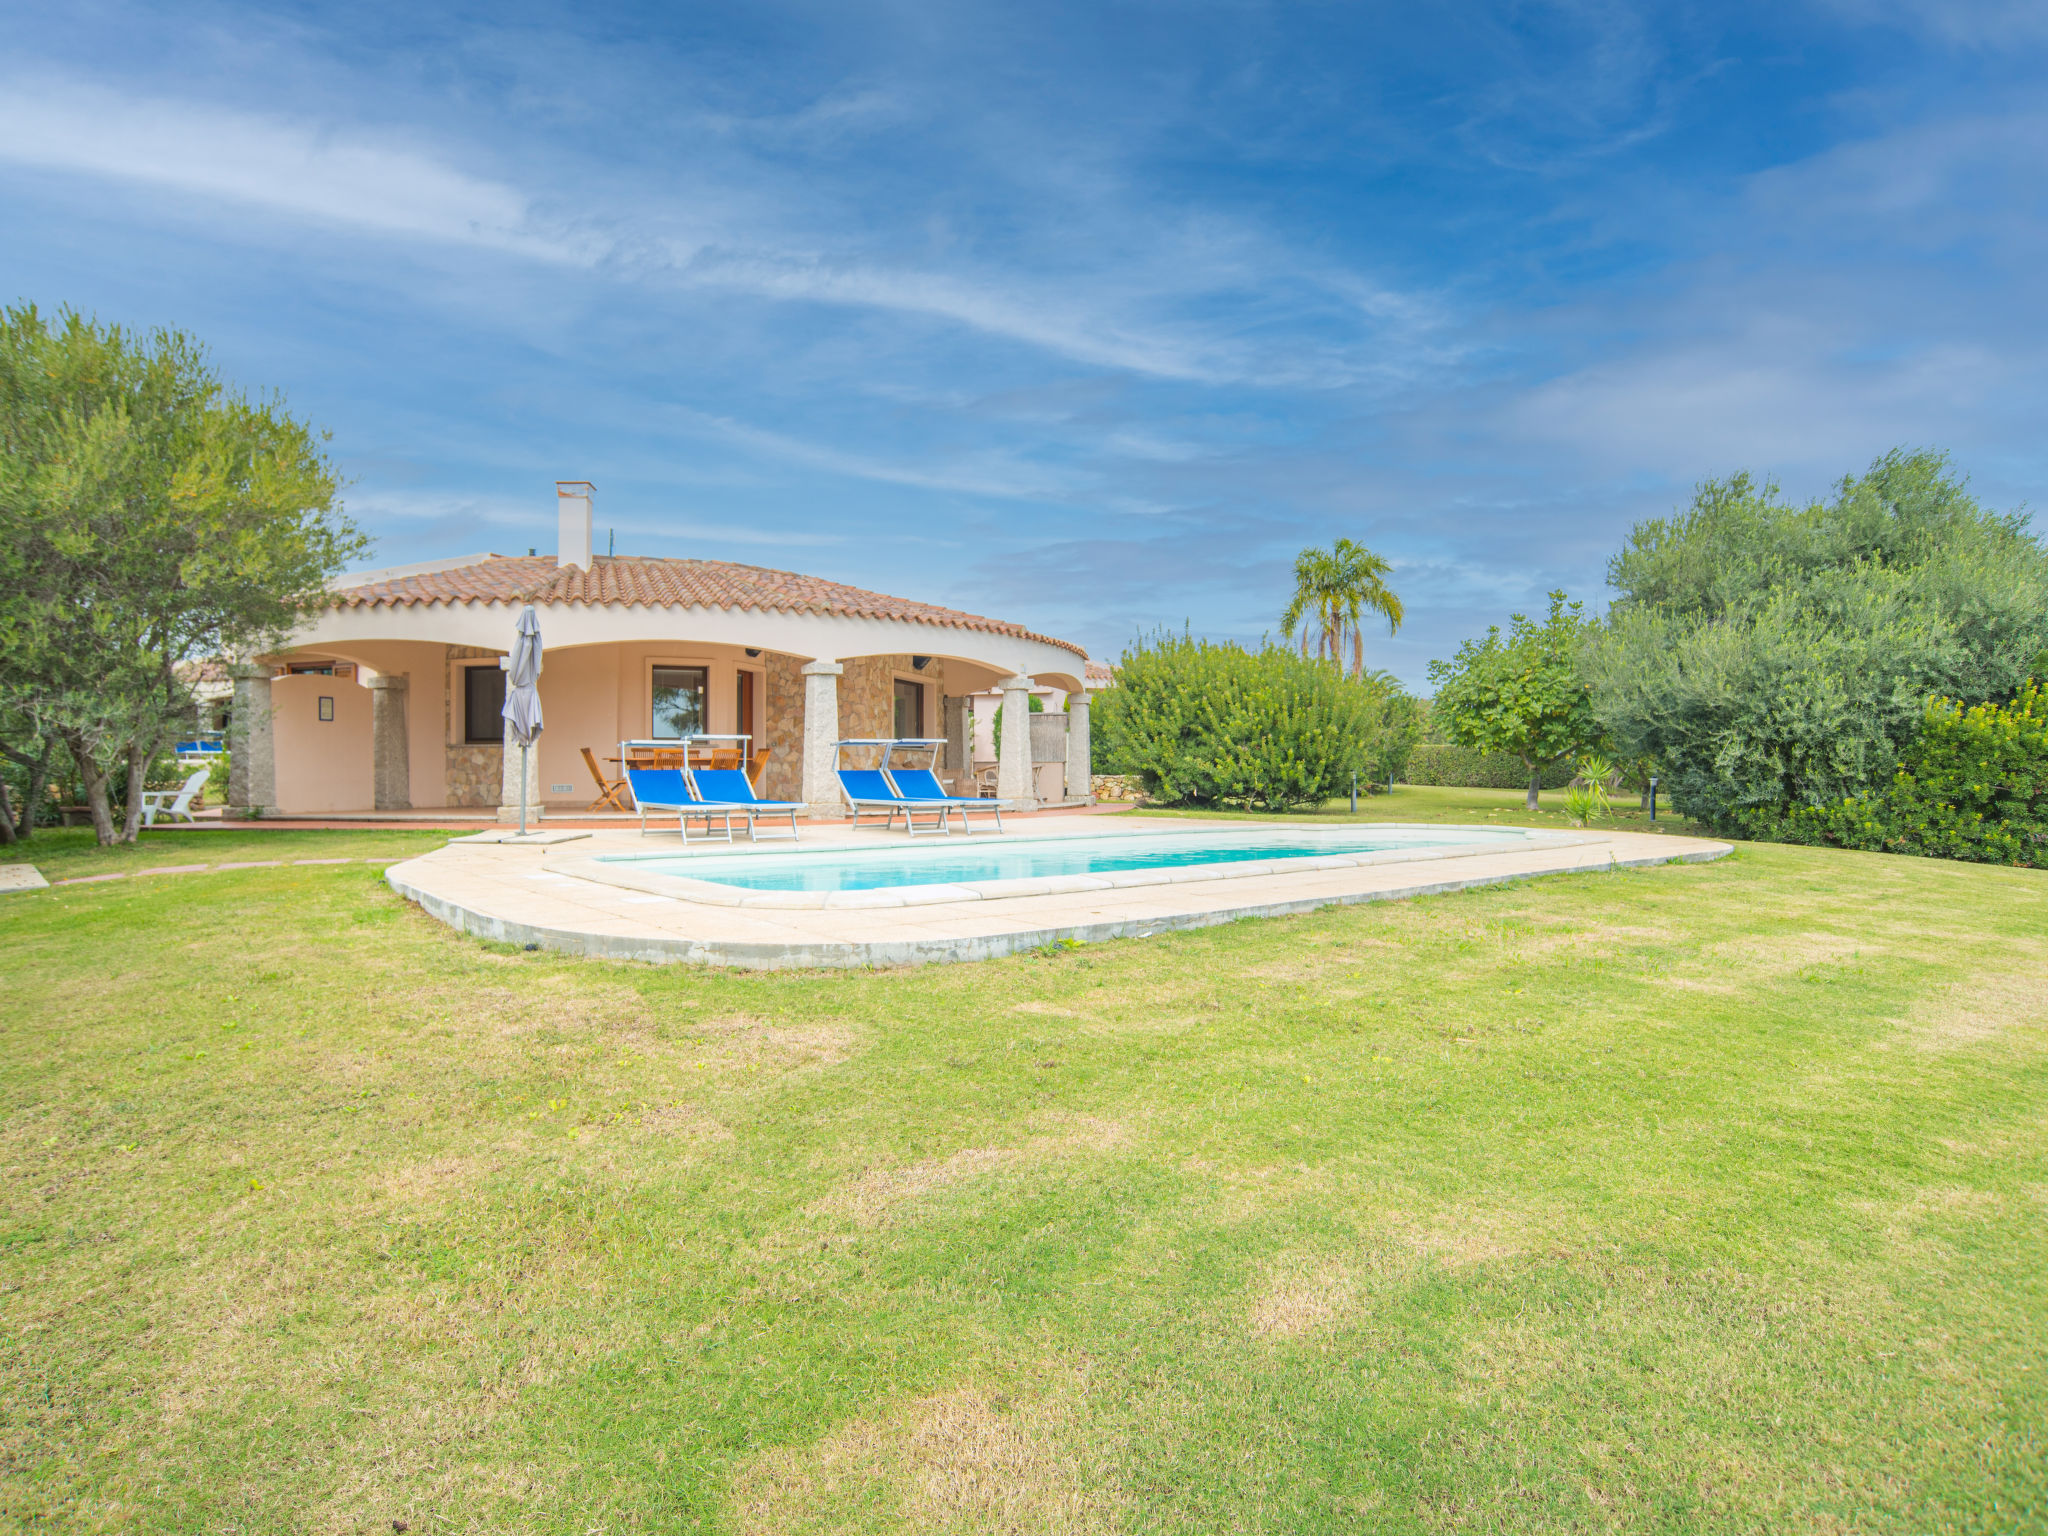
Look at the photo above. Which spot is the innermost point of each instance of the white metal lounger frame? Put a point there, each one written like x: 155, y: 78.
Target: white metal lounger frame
x: 751, y: 810
x: 684, y: 812
x: 960, y: 803
x: 899, y: 805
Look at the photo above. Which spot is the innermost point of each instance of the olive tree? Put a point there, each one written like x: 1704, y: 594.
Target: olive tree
x: 1774, y: 656
x: 147, y: 514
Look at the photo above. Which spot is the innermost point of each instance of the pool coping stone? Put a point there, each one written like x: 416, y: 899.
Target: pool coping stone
x: 490, y: 891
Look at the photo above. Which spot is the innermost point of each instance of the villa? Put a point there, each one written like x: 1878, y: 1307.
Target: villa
x: 389, y: 700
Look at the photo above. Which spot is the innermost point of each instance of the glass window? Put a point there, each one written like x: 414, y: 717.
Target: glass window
x: 483, y: 703
x: 909, y: 709
x: 678, y: 701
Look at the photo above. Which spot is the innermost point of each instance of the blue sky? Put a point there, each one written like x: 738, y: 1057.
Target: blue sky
x: 1088, y: 316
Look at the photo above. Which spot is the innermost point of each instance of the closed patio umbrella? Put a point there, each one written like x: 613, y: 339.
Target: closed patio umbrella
x: 522, y: 697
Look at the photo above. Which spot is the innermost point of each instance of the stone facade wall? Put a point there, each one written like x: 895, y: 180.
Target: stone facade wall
x: 782, y: 728
x: 475, y: 774
x: 867, y: 696
x: 476, y: 771
x: 867, y: 707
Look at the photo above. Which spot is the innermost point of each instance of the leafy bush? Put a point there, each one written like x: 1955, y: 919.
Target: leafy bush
x: 1974, y: 787
x: 1468, y: 768
x: 1208, y: 724
x: 1770, y: 656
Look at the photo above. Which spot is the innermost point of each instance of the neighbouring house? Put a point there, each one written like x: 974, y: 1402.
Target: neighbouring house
x: 212, y: 692
x: 390, y: 699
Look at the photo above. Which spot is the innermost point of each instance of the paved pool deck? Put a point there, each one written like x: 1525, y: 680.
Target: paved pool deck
x: 555, y: 895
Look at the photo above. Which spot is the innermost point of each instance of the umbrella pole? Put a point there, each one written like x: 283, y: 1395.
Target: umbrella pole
x: 523, y: 750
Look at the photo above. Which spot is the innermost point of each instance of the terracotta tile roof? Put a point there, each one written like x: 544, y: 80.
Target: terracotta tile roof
x: 625, y: 580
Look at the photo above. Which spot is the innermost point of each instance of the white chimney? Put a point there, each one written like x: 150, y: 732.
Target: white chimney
x: 572, y: 504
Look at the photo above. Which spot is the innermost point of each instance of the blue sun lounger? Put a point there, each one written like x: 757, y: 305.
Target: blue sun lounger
x: 922, y: 786
x: 731, y: 788
x: 868, y: 790
x: 665, y: 791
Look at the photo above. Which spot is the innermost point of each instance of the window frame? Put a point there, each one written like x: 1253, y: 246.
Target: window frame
x: 656, y: 665
x: 498, y: 738
x: 921, y: 730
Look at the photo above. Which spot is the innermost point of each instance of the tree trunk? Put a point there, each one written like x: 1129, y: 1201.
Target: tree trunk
x: 139, y: 758
x: 6, y: 818
x: 22, y: 823
x: 94, y: 781
x: 38, y: 786
x: 1535, y: 782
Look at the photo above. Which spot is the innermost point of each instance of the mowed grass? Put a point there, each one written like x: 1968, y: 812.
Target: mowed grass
x: 66, y: 853
x: 1703, y: 1198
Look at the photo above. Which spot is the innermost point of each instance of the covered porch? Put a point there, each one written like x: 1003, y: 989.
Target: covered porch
x: 353, y: 724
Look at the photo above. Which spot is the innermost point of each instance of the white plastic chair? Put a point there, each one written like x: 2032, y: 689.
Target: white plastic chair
x: 174, y: 802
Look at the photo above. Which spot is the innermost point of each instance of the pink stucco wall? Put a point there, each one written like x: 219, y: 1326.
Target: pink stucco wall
x: 322, y: 765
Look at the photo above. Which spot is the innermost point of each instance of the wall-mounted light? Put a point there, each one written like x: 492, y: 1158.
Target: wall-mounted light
x: 753, y: 651
x: 919, y: 663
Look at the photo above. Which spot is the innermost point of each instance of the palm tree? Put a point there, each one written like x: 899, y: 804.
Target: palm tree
x: 1334, y: 589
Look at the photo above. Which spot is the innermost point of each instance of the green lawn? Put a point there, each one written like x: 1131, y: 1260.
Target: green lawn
x: 69, y: 852
x: 1703, y: 1198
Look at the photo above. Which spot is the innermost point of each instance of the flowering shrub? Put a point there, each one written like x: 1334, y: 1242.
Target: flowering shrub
x: 1974, y: 786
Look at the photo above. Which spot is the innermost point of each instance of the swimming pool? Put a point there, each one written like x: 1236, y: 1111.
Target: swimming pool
x: 1110, y: 855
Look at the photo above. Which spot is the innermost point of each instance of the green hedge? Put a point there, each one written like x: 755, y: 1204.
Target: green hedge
x: 1974, y: 786
x: 1432, y: 762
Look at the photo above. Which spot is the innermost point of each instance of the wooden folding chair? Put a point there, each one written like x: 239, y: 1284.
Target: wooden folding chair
x: 608, y: 789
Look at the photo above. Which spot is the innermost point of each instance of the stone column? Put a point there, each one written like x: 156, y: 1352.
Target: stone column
x: 958, y: 717
x: 1014, y: 785
x: 1080, y: 767
x: 252, y: 778
x: 821, y: 729
x: 390, y: 748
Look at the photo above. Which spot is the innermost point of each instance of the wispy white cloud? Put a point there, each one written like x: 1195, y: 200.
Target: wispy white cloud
x: 999, y: 475
x: 347, y: 177
x: 1968, y: 23
x: 537, y: 525
x: 393, y: 184
x: 1043, y: 322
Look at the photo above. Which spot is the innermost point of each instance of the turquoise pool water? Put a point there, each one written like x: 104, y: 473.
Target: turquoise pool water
x: 958, y: 862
